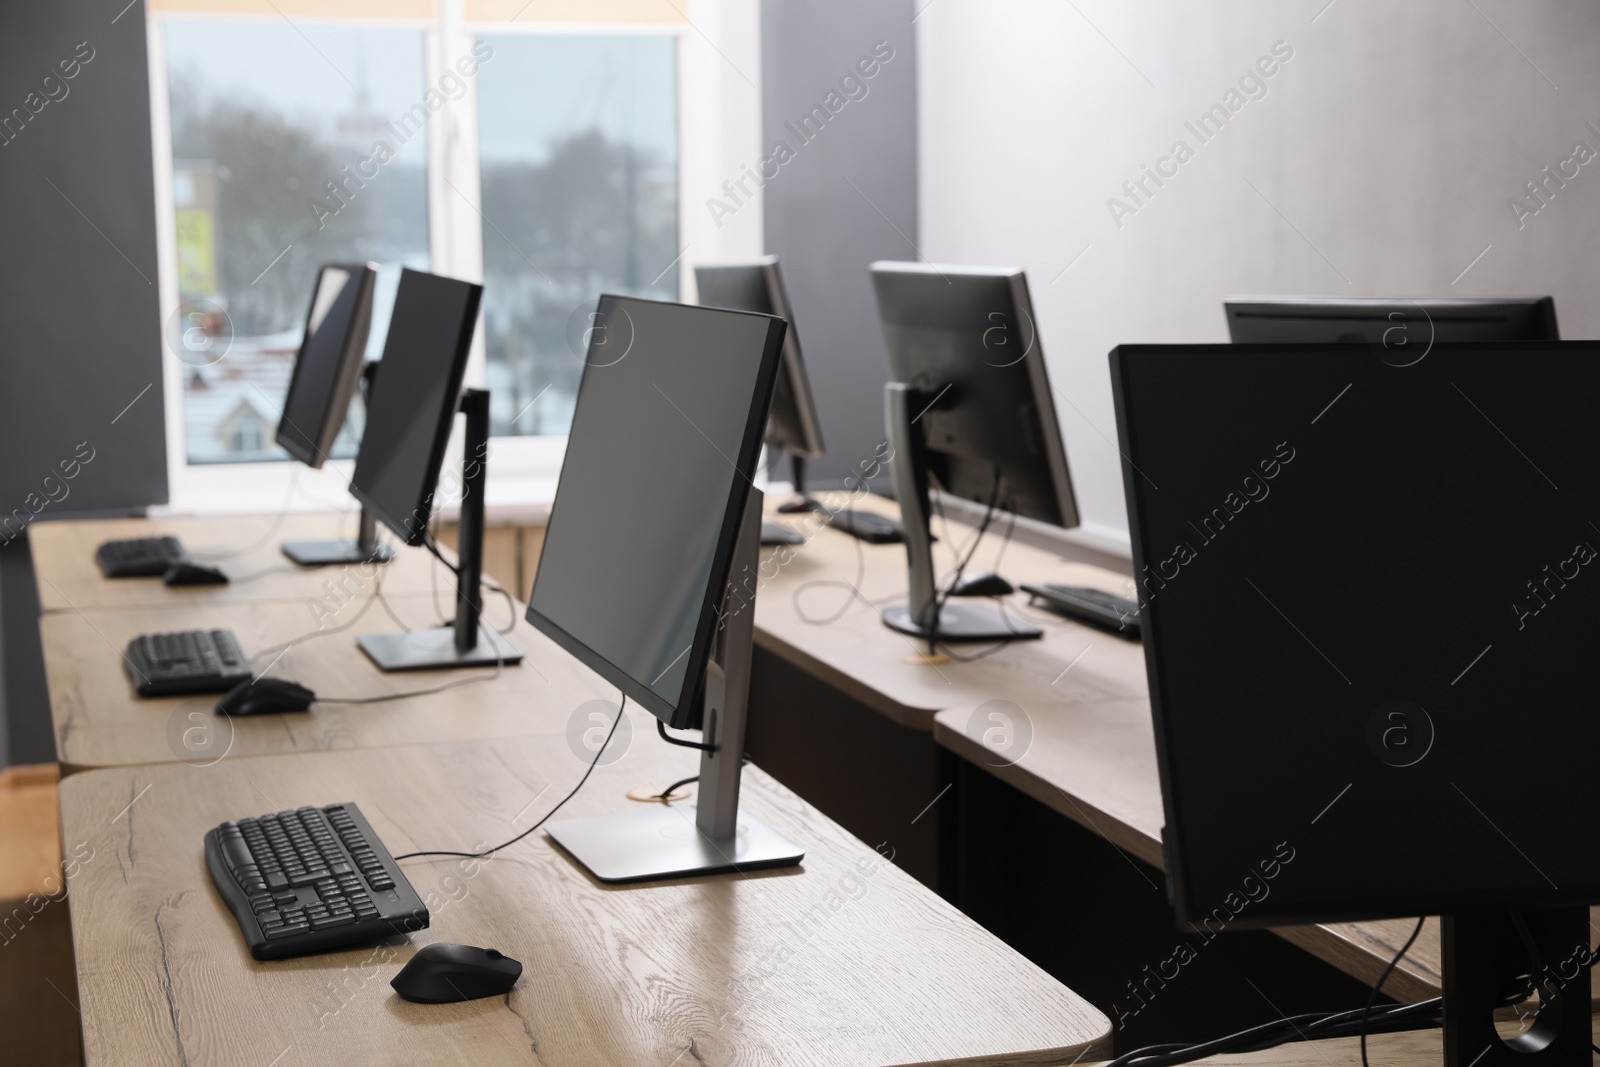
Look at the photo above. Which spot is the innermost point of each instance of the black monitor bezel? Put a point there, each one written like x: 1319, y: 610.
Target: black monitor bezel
x: 686, y: 713
x: 351, y: 359
x: 447, y: 414
x: 793, y: 365
x: 1176, y: 842
x: 1043, y: 395
x: 1538, y: 310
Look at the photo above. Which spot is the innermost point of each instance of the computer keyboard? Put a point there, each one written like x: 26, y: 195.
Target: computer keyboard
x: 311, y: 880
x: 1106, y: 610
x: 195, y: 661
x: 872, y: 528
x: 142, y: 557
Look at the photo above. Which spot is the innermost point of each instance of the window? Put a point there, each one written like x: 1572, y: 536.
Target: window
x: 578, y: 162
x: 542, y: 148
x: 274, y: 174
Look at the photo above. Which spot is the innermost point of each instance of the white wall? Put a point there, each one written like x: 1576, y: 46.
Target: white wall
x: 1391, y: 142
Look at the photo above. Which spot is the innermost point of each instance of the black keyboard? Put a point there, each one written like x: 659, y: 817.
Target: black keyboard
x: 872, y: 528
x: 311, y: 880
x: 195, y: 661
x: 142, y: 557
x: 1105, y: 610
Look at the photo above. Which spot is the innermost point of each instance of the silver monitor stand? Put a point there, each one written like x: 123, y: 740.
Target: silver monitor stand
x: 679, y: 841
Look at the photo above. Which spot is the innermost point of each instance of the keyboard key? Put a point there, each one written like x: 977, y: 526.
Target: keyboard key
x: 287, y: 931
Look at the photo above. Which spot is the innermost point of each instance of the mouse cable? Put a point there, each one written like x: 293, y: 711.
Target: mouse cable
x: 961, y: 561
x: 499, y: 667
x: 265, y: 573
x: 1378, y: 985
x: 377, y: 585
x: 283, y: 512
x: 484, y: 582
x: 621, y: 710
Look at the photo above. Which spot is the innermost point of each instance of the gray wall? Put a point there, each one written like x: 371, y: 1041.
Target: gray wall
x: 1377, y: 161
x: 78, y: 306
x: 846, y: 198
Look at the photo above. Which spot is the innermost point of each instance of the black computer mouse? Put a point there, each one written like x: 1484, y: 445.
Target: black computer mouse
x: 983, y: 583
x: 265, y: 696
x: 444, y: 973
x: 193, y: 574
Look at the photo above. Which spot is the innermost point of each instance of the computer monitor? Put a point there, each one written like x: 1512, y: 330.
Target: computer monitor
x: 970, y: 407
x: 669, y: 435
x: 326, y: 370
x: 792, y: 424
x: 1401, y: 327
x: 409, y: 416
x: 1368, y: 637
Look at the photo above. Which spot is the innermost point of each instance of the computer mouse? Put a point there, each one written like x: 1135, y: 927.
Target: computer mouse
x: 265, y: 696
x: 444, y: 973
x: 193, y: 574
x: 984, y: 583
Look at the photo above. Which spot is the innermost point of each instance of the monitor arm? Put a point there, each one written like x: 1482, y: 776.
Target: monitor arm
x: 923, y: 616
x: 469, y: 552
x: 727, y: 688
x: 902, y: 404
x: 367, y: 531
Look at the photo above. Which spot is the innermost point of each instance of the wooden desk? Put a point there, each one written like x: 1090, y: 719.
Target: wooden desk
x: 847, y: 961
x: 69, y: 578
x: 807, y: 614
x: 100, y: 722
x: 1416, y: 1048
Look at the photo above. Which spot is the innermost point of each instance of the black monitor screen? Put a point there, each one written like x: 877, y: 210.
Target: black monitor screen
x: 414, y: 400
x: 329, y: 363
x: 665, y: 438
x: 1369, y: 600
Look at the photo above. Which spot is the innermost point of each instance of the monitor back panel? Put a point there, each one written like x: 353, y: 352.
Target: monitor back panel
x: 1369, y: 601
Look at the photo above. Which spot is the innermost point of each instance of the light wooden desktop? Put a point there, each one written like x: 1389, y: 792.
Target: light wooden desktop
x: 100, y: 721
x: 1082, y: 690
x: 847, y: 960
x: 69, y: 579
x: 1415, y: 1048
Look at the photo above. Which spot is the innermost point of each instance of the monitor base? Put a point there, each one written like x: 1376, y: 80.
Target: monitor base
x: 964, y: 622
x: 434, y: 650
x: 334, y: 553
x: 664, y: 842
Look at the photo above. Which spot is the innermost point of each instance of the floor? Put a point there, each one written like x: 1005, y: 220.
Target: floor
x: 38, y: 987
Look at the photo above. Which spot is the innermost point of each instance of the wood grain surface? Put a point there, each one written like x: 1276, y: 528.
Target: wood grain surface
x: 69, y: 578
x: 99, y: 720
x: 844, y: 961
x: 1415, y: 1048
x: 819, y: 607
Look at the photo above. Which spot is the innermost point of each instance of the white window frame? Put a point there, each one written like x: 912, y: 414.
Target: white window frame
x: 719, y: 128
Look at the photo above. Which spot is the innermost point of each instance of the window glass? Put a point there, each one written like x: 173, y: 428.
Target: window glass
x: 276, y: 169
x: 578, y: 158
